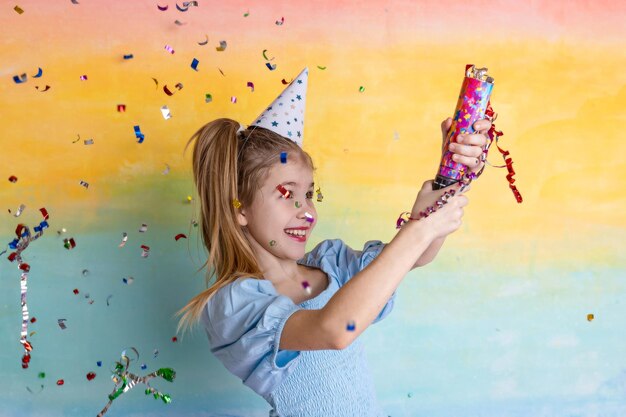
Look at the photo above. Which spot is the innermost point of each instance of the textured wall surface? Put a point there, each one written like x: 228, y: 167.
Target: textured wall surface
x: 496, y: 326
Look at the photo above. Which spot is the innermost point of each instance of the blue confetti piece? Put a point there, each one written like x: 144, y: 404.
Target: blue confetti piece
x: 39, y: 73
x: 194, y: 63
x: 144, y: 366
x: 99, y: 363
x: 19, y: 79
x: 283, y: 157
x: 140, y: 136
x: 129, y: 56
x: 351, y: 326
x: 270, y: 66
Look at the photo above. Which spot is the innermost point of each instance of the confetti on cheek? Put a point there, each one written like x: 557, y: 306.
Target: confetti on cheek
x: 165, y: 111
x: 208, y: 98
x: 251, y: 85
x: 169, y: 49
x: 129, y: 56
x: 163, y: 8
x: 270, y: 66
x: 283, y: 157
x: 121, y: 108
x: 236, y: 203
x: 180, y: 236
x: 18, y: 9
x: 222, y: 46
x: 84, y: 184
x: 69, y: 243
x: 194, y: 64
x: 272, y: 243
x: 280, y: 22
x: 590, y: 317
x: 13, y: 179
x: 351, y: 326
x: 75, y: 2
x: 298, y: 204
x: 182, y: 9
x: 205, y: 41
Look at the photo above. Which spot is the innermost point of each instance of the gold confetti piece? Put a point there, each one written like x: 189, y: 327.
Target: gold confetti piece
x: 236, y: 203
x: 590, y: 317
x: 18, y: 9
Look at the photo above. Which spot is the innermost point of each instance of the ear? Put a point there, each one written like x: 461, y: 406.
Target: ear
x: 241, y: 218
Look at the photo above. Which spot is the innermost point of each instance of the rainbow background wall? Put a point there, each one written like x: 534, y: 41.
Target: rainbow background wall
x: 496, y: 326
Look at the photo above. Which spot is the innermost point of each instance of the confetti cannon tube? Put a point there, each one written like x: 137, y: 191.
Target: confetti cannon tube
x: 472, y: 104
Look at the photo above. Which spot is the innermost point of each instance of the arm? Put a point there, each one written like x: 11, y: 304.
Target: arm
x: 430, y: 253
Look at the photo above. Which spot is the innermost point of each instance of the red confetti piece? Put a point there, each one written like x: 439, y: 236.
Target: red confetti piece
x: 121, y: 108
x: 251, y: 85
x: 280, y: 22
x: 286, y: 193
x: 75, y: 291
x: 32, y: 320
x: 285, y: 82
x: 13, y: 179
x: 44, y: 213
x: 60, y: 382
x: 90, y: 376
x: 174, y: 339
x: 180, y: 236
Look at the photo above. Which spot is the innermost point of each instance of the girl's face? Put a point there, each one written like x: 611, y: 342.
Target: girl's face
x: 279, y: 224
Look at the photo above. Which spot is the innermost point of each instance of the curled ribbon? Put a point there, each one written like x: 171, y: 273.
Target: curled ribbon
x: 20, y: 244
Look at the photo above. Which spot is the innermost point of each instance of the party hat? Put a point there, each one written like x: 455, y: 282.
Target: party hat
x: 285, y: 115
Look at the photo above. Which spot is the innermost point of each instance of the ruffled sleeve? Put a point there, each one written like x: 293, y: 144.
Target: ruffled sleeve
x: 244, y: 321
x: 343, y: 262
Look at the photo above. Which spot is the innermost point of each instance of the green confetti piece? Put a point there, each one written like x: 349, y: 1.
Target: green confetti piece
x: 361, y: 89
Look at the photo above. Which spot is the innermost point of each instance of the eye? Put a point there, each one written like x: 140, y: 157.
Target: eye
x: 309, y: 195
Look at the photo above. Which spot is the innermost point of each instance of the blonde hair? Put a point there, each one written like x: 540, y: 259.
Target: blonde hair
x: 229, y: 166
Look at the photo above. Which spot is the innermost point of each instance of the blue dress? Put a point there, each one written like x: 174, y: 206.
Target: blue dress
x: 244, y: 321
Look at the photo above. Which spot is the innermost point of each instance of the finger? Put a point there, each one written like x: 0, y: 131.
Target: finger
x: 481, y: 125
x: 477, y: 139
x: 445, y: 126
x: 471, y: 151
x: 428, y: 185
x: 471, y: 162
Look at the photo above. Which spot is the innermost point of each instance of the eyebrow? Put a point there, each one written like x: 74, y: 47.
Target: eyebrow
x: 295, y: 183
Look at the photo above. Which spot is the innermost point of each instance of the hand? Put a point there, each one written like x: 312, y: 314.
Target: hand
x: 450, y: 219
x: 469, y: 148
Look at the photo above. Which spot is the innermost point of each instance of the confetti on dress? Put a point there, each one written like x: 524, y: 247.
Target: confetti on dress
x: 222, y: 46
x: 125, y: 381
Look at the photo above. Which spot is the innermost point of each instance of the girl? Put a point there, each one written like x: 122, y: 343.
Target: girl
x: 285, y: 322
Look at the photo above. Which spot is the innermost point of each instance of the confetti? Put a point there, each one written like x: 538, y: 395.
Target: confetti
x: 88, y: 141
x: 286, y: 193
x: 167, y: 91
x: 270, y: 66
x: 108, y: 302
x: 125, y: 380
x: 180, y: 236
x: 179, y: 23
x: 83, y: 78
x: 39, y: 73
x: 208, y: 98
x: 146, y: 251
x: 272, y: 242
x: 13, y: 179
x: 298, y: 204
x: 174, y: 339
x: 34, y: 393
x: 143, y: 228
x: 129, y: 56
x: 85, y: 272
x: 233, y: 100
x: 265, y: 56
x: 140, y: 136
x: 124, y: 239
x: 144, y: 366
x: 76, y: 291
x: 33, y: 320
x: 84, y: 184
x: 77, y: 139
x: 246, y: 14
x: 19, y: 210
x: 61, y: 323
x: 69, y: 243
x: 169, y: 49
x: 18, y: 9
x: 322, y: 68
x: 47, y: 87
x: 182, y: 9
x: 99, y: 363
x: 221, y: 72
x: 280, y: 22
x: 590, y: 317
x: 60, y: 382
x: 155, y: 353
x: 283, y: 157
x: 307, y: 287
x: 205, y: 41
x: 166, y: 112
x: 361, y: 89
x: 194, y: 64
x: 90, y: 376
x: 121, y: 108
x: 128, y: 281
x: 41, y: 375
x: 251, y: 85
x: 167, y: 170
x: 75, y: 2
x: 285, y: 82
x: 20, y: 78
x: 236, y: 203
x: 156, y: 82
x: 163, y: 8
x: 396, y: 135
x: 222, y: 47
x: 351, y: 326
x: 309, y: 217
x: 320, y: 197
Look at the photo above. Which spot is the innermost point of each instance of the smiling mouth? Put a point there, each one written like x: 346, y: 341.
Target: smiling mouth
x: 297, y: 235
